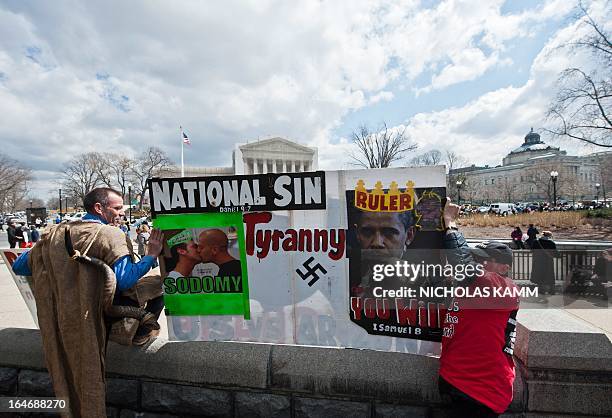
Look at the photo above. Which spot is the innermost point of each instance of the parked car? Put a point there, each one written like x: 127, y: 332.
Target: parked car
x: 482, y: 209
x: 137, y: 222
x: 503, y: 209
x: 75, y: 216
x: 17, y: 220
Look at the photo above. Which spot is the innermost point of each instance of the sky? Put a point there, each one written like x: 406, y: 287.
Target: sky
x: 469, y: 76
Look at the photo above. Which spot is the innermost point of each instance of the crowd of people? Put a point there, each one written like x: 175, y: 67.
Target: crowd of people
x: 22, y: 236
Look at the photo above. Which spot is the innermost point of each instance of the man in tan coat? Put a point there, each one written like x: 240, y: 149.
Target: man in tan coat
x: 71, y: 297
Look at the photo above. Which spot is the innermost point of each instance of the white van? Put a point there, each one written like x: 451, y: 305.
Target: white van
x: 503, y: 209
x: 75, y: 216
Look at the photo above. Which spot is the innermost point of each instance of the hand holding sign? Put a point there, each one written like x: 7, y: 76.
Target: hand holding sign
x: 451, y: 213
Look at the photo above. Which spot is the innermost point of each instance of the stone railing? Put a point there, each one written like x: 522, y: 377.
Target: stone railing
x: 559, y: 373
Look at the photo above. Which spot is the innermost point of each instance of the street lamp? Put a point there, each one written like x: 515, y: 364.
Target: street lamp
x: 130, y: 200
x: 597, y: 186
x: 60, y: 203
x: 30, y: 203
x: 459, y: 183
x: 553, y: 177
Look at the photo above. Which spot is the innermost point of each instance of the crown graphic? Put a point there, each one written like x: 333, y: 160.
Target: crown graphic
x: 380, y: 200
x: 180, y: 238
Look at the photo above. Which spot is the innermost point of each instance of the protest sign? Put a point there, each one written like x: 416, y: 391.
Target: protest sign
x: 24, y: 284
x: 304, y: 251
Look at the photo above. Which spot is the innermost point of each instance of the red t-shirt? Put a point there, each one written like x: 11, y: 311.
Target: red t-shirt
x: 478, y: 340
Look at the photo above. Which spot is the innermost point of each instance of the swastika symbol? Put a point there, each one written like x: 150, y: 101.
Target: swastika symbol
x: 311, y: 271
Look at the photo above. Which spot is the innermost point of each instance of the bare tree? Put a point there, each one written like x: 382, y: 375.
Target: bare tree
x: 149, y: 164
x: 539, y: 177
x: 432, y: 157
x: 582, y: 109
x: 13, y: 183
x: 80, y: 175
x: 53, y: 203
x: 508, y: 190
x: 454, y: 160
x: 380, y: 149
x: 115, y: 171
x: 604, y: 171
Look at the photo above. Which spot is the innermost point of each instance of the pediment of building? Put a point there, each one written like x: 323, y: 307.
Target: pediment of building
x: 275, y: 146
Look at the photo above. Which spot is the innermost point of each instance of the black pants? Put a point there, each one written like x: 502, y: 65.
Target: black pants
x: 462, y: 405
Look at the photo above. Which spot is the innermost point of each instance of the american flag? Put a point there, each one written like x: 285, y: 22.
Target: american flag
x: 186, y: 139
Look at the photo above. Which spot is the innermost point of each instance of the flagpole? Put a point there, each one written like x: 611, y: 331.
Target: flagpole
x: 182, y: 146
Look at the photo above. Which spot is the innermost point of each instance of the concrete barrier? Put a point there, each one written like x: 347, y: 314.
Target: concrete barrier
x: 560, y: 372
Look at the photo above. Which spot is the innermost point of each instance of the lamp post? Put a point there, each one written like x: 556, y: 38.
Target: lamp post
x: 66, y: 203
x: 30, y: 203
x: 597, y: 186
x: 130, y: 200
x: 459, y: 183
x: 553, y: 177
x: 60, y: 203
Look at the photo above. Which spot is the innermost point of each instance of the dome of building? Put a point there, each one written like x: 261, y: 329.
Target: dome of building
x: 533, y: 143
x: 532, y: 137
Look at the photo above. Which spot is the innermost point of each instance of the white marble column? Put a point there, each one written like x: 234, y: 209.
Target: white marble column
x: 274, y: 170
x: 255, y: 168
x: 292, y: 166
x: 301, y: 166
x: 284, y: 166
x: 265, y: 167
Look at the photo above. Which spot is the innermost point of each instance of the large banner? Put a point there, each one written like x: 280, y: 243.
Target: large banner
x: 296, y: 258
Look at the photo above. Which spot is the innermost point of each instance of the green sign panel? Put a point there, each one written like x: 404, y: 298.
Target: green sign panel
x: 204, y: 264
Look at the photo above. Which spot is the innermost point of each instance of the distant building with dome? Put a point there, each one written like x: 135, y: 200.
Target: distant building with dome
x: 525, y: 175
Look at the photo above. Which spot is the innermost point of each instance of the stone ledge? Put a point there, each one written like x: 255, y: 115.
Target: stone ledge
x: 554, y: 339
x: 198, y: 362
x: 356, y: 373
x: 364, y: 379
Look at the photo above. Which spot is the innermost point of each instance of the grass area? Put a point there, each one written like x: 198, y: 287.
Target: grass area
x: 573, y: 219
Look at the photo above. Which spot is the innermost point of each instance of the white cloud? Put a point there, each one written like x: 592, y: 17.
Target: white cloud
x: 490, y: 126
x: 382, y: 96
x: 121, y: 76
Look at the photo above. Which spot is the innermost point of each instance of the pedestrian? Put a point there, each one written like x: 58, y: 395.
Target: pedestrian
x: 34, y: 234
x: 476, y: 366
x: 543, y: 271
x: 517, y: 238
x: 25, y: 233
x: 14, y: 235
x: 142, y: 238
x: 123, y: 227
x: 75, y: 332
x: 38, y: 222
x: 532, y: 235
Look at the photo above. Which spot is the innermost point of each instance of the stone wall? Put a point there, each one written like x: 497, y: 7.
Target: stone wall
x: 558, y: 374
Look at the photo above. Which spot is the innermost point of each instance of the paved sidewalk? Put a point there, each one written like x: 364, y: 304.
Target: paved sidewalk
x: 14, y: 312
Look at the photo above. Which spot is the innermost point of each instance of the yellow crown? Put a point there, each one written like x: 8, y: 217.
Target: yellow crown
x: 379, y: 200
